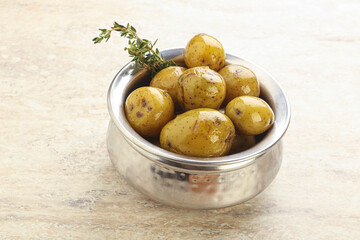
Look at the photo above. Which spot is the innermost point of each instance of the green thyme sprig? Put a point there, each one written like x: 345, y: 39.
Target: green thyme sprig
x: 142, y: 51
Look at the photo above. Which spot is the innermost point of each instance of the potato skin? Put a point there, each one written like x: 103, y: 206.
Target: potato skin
x: 200, y: 87
x: 204, y: 50
x: 148, y: 109
x: 201, y: 132
x: 167, y: 79
x: 240, y: 81
x: 250, y: 115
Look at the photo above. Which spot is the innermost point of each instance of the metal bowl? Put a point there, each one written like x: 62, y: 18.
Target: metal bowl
x: 192, y: 182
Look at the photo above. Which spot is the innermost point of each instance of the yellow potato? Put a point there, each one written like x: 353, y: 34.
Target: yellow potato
x: 240, y: 81
x: 242, y: 143
x: 204, y: 50
x: 200, y: 87
x: 167, y: 79
x: 201, y: 132
x: 148, y: 109
x: 250, y: 115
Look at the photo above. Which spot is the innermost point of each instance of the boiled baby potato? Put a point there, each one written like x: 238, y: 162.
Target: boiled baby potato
x: 167, y: 79
x: 148, y: 109
x: 250, y: 115
x: 242, y: 143
x: 200, y: 87
x: 240, y: 81
x: 204, y: 50
x: 201, y: 132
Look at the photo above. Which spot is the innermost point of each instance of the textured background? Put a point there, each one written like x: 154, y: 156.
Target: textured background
x: 56, y: 181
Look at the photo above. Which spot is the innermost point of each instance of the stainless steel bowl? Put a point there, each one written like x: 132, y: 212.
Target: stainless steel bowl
x: 191, y: 182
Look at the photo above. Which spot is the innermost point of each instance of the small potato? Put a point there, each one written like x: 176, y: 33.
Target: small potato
x: 250, y: 115
x: 200, y: 87
x: 167, y: 79
x: 240, y: 81
x: 204, y: 50
x: 242, y: 143
x: 201, y: 132
x: 148, y: 109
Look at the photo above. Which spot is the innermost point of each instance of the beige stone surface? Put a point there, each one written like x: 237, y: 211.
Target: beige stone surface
x: 56, y: 180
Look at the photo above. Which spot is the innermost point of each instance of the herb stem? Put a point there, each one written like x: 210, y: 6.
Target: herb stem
x: 139, y: 39
x: 141, y: 50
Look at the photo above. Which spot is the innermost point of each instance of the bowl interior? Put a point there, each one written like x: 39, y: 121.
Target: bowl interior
x: 130, y: 77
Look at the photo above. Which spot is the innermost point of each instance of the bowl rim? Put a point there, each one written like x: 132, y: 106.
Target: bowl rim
x: 158, y: 154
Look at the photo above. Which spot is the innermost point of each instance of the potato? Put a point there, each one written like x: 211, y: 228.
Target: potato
x: 242, y: 143
x: 204, y: 50
x: 201, y: 132
x: 148, y: 109
x: 200, y: 87
x: 240, y: 81
x: 250, y: 115
x: 167, y: 79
